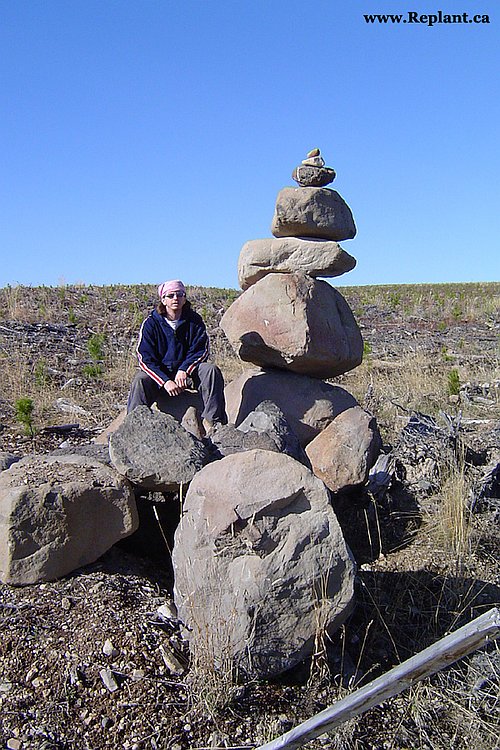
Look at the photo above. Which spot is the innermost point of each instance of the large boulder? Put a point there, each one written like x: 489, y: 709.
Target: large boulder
x: 260, y: 563
x: 180, y: 407
x: 154, y: 452
x: 308, y: 404
x: 289, y: 254
x: 59, y: 513
x: 343, y: 454
x: 294, y: 322
x: 312, y: 212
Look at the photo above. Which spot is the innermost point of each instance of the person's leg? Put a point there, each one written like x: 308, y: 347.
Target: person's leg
x: 208, y: 379
x: 143, y: 392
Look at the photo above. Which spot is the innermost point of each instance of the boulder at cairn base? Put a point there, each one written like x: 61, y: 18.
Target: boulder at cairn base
x: 308, y: 404
x: 343, y: 454
x: 154, y: 452
x: 312, y: 212
x: 259, y: 559
x: 289, y: 254
x: 294, y: 322
x: 59, y: 513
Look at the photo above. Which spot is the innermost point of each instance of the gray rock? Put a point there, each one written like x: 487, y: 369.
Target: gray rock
x: 7, y: 459
x: 259, y: 560
x: 154, y: 452
x: 96, y: 451
x: 296, y: 323
x: 289, y: 254
x: 312, y: 212
x: 59, y: 513
x: 311, y: 176
x: 344, y: 452
x: 228, y: 439
x: 182, y: 407
x: 308, y: 404
x: 268, y: 419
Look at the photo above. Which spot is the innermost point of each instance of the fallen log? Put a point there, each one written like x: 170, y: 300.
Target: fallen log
x: 429, y: 661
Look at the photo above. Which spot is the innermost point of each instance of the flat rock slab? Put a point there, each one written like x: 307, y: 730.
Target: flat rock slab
x: 59, y: 513
x: 289, y: 254
x: 255, y: 571
x: 308, y: 404
x: 344, y: 452
x: 179, y: 407
x: 312, y: 212
x: 297, y: 323
x: 154, y: 452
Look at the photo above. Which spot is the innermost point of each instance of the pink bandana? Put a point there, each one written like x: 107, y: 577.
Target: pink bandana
x: 171, y: 286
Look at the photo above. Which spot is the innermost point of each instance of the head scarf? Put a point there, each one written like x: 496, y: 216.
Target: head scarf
x: 171, y: 286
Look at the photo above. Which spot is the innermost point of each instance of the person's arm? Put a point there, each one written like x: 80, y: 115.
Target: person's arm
x: 198, y: 349
x: 148, y: 355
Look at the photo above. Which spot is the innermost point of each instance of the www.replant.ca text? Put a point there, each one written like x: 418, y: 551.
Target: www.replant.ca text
x: 426, y: 19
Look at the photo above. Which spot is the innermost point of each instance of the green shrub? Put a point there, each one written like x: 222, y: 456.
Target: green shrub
x: 95, y: 346
x: 453, y: 383
x: 93, y: 370
x: 24, y: 414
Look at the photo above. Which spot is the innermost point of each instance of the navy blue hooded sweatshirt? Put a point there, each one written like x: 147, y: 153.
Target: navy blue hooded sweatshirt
x: 162, y: 351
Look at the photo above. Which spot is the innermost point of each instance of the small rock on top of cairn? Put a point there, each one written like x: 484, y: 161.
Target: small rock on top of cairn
x: 312, y: 172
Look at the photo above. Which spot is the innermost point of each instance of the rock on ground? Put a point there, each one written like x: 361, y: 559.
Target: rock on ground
x: 154, y: 452
x: 343, y: 454
x: 59, y: 513
x: 308, y: 404
x: 296, y: 323
x: 259, y: 560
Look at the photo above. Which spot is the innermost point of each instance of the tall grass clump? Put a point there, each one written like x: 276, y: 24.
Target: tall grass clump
x: 453, y: 517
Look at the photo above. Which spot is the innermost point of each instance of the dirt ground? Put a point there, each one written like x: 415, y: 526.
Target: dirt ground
x: 86, y: 661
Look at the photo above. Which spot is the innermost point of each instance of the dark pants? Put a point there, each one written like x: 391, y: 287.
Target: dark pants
x: 207, y: 379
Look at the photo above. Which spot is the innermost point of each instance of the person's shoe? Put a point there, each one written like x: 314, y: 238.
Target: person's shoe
x: 209, y: 427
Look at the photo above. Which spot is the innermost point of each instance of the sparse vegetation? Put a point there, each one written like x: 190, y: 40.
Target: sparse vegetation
x: 24, y: 414
x: 431, y: 563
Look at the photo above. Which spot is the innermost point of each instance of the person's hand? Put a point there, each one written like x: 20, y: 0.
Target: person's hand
x: 181, y: 379
x: 172, y: 388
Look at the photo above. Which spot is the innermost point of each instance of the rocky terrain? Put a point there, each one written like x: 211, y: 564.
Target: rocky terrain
x: 98, y: 659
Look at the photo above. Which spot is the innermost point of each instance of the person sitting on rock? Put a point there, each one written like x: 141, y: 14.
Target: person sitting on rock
x: 173, y: 349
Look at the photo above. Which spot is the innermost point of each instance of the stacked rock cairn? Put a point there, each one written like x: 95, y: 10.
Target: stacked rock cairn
x: 286, y: 318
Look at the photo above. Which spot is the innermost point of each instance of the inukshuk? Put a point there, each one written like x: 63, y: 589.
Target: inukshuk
x: 259, y: 556
x: 286, y: 318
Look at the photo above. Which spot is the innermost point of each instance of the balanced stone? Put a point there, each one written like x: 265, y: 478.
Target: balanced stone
x: 309, y: 176
x: 289, y: 254
x: 312, y: 212
x: 294, y: 322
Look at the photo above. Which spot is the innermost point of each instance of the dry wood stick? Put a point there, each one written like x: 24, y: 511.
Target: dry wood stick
x: 434, y: 658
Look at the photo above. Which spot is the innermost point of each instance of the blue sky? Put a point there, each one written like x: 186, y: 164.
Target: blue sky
x: 148, y: 139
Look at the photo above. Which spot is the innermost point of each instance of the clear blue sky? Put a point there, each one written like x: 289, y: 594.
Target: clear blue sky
x: 148, y: 139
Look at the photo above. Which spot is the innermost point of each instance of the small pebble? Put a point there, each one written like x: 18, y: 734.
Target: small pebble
x: 109, y: 649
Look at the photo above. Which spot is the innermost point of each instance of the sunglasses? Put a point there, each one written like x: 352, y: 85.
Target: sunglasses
x: 171, y: 295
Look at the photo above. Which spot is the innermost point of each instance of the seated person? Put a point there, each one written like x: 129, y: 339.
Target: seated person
x: 173, y: 346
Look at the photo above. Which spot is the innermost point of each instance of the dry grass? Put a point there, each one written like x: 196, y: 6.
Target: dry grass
x: 407, y: 598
